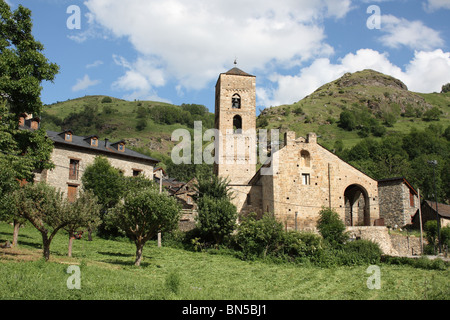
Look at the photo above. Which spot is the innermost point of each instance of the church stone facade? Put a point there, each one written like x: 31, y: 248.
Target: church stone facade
x: 303, y: 177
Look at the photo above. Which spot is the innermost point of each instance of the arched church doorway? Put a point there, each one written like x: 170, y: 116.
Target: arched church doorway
x: 357, y: 206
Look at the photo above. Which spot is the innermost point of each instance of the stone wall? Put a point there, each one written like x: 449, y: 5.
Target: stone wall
x: 395, y: 205
x: 390, y: 244
x: 308, y: 178
x: 59, y: 176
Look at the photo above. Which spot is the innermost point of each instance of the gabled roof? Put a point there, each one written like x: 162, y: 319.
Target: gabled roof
x: 237, y: 72
x: 443, y: 209
x: 103, y: 146
x: 399, y: 179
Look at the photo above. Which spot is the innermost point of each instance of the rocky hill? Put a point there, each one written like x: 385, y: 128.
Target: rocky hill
x: 371, y: 96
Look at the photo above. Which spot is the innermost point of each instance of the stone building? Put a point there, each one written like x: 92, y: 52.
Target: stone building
x: 399, y: 202
x: 72, y: 154
x: 299, y: 179
x: 429, y: 213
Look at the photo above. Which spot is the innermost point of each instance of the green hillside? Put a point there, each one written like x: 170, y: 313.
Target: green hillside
x: 368, y: 94
x: 146, y: 126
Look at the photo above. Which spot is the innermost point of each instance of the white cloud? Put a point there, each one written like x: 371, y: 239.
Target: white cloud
x: 83, y: 84
x: 94, y: 64
x: 412, y: 34
x: 434, y: 5
x: 426, y: 72
x: 193, y: 41
x: 140, y: 78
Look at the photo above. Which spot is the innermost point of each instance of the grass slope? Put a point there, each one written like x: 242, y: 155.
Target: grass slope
x: 319, y: 112
x: 107, y: 273
x: 120, y: 123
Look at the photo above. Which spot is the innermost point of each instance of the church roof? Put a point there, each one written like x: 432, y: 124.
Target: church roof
x: 237, y: 72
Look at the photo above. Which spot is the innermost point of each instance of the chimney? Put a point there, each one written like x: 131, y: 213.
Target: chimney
x: 312, y: 137
x: 289, y: 138
x: 106, y: 142
x: 34, y: 124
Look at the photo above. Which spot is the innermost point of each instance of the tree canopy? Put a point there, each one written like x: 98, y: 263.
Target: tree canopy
x: 23, y: 67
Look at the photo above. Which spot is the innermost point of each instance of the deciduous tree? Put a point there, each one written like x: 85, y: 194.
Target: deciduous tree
x: 84, y: 214
x: 143, y: 213
x: 43, y: 206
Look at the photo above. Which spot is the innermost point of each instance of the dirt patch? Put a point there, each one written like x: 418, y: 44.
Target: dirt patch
x: 17, y: 254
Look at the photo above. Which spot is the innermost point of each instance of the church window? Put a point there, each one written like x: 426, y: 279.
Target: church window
x: 237, y: 124
x: 306, y: 179
x: 236, y: 101
x: 305, y: 158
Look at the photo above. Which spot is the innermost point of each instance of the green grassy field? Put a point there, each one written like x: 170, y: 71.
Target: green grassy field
x: 108, y: 273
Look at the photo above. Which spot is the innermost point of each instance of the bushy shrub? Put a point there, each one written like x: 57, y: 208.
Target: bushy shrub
x: 422, y: 262
x: 216, y: 218
x: 258, y: 238
x: 431, y: 234
x: 360, y: 252
x: 296, y: 245
x: 265, y: 238
x: 106, y: 100
x: 331, y: 227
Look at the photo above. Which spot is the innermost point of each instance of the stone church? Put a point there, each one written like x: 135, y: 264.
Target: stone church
x: 306, y: 177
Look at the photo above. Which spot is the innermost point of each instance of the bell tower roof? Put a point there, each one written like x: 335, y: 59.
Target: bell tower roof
x: 238, y: 72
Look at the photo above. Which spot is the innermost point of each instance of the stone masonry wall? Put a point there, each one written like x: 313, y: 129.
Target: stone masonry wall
x: 390, y: 244
x: 395, y: 206
x: 59, y: 176
x: 328, y: 179
x: 236, y: 152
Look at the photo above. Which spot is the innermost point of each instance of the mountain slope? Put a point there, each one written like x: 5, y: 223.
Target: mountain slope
x: 381, y: 99
x: 146, y: 126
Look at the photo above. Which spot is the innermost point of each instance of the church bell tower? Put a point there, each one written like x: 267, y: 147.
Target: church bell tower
x: 235, y: 120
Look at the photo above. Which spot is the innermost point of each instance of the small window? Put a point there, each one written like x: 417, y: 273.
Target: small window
x: 237, y: 124
x: 121, y: 147
x: 305, y: 159
x: 94, y: 142
x: 236, y: 101
x: 74, y: 168
x: 136, y: 172
x: 411, y: 199
x: 68, y: 136
x: 306, y: 179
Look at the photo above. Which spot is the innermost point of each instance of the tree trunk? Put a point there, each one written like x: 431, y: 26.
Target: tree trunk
x: 46, y: 246
x: 89, y: 234
x: 71, y: 237
x: 16, y: 233
x: 139, y: 248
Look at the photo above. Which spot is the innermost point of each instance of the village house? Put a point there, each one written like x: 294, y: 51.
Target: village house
x: 72, y: 154
x: 431, y: 211
x: 399, y: 202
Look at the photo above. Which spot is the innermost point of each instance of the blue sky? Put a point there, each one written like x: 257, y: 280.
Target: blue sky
x: 174, y: 50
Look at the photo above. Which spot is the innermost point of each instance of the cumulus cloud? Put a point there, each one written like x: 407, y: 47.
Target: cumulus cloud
x: 83, y: 84
x: 141, y: 77
x: 433, y: 5
x: 426, y: 72
x: 412, y: 34
x: 95, y: 64
x: 197, y: 39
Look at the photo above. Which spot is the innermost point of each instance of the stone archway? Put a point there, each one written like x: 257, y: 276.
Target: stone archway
x: 357, y: 206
